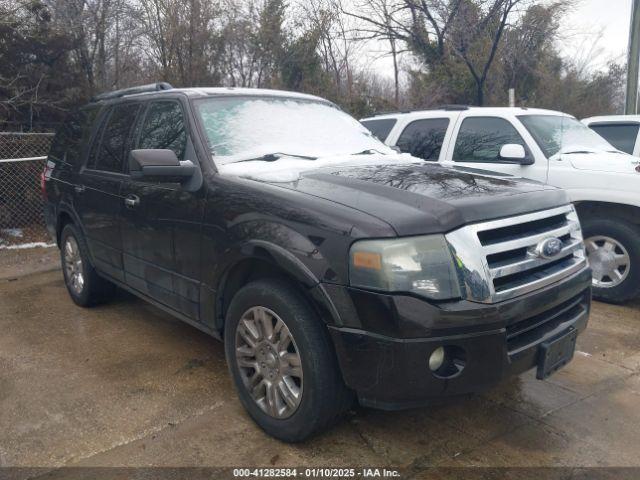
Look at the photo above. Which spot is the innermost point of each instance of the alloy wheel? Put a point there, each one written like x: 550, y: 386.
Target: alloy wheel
x: 610, y: 262
x: 269, y: 362
x: 73, y: 265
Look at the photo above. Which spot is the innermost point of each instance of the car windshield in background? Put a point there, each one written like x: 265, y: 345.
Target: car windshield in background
x: 266, y: 128
x: 560, y: 134
x: 380, y: 128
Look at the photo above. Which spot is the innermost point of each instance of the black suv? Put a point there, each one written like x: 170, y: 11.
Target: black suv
x: 332, y: 266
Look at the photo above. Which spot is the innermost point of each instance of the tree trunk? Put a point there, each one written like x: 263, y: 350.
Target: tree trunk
x: 480, y: 94
x: 396, y: 82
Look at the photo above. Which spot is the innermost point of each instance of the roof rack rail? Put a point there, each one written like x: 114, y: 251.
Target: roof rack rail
x: 453, y: 107
x: 390, y: 112
x: 151, y: 87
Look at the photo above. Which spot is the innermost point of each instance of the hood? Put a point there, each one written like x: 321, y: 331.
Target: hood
x: 603, y: 162
x: 413, y: 196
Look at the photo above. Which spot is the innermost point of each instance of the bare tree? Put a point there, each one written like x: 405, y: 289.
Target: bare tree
x: 180, y: 37
x: 252, y: 42
x: 477, y: 35
x: 382, y: 20
x: 30, y: 49
x: 434, y: 30
x: 528, y: 43
x: 334, y: 43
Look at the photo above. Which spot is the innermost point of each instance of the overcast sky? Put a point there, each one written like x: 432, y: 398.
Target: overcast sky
x: 594, y: 32
x: 604, y: 21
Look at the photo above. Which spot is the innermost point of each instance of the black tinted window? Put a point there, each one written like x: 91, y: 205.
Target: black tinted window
x: 621, y: 136
x: 95, y: 145
x: 380, y: 128
x: 423, y: 138
x: 70, y: 138
x: 481, y: 138
x: 115, y: 139
x: 164, y: 128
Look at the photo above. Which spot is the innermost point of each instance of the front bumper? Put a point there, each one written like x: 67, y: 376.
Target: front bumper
x: 385, y: 341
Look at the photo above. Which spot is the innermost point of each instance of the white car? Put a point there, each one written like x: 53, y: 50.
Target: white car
x: 550, y: 147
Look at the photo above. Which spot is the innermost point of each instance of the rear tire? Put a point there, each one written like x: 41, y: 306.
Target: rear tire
x: 613, y: 249
x: 260, y: 316
x: 84, y: 285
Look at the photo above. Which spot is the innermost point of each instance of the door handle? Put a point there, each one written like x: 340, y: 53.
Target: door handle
x: 79, y: 188
x: 132, y: 201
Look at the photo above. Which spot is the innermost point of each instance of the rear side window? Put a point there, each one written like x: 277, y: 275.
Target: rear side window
x: 95, y: 145
x: 164, y: 128
x: 423, y: 138
x: 481, y: 138
x: 67, y: 145
x: 622, y: 135
x: 380, y: 128
x: 116, y: 137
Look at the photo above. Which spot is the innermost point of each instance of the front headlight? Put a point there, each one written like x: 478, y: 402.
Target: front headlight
x: 421, y: 265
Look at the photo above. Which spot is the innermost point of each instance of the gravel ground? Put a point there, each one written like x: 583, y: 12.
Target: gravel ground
x: 14, y: 263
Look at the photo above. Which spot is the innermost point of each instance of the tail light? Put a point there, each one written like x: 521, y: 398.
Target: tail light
x: 45, y: 176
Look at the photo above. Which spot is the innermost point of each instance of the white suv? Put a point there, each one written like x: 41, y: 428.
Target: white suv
x: 550, y: 147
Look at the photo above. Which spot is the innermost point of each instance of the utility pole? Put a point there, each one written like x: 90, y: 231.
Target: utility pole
x: 633, y: 63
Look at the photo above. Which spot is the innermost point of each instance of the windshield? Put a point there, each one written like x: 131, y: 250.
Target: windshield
x: 264, y: 128
x: 562, y: 134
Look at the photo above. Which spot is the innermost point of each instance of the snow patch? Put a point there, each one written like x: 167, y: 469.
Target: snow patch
x: 13, y: 232
x: 244, y: 128
x: 23, y: 246
x: 289, y: 169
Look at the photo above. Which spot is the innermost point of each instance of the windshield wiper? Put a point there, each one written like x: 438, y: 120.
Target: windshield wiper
x: 272, y: 157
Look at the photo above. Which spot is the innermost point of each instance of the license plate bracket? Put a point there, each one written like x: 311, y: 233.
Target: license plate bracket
x: 556, y: 353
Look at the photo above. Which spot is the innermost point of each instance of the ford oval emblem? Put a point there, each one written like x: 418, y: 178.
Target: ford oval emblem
x: 549, y: 248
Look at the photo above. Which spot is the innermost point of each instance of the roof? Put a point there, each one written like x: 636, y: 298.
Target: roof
x: 449, y: 111
x: 224, y: 91
x: 613, y: 119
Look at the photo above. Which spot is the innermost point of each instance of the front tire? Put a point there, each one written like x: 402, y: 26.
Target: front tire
x: 84, y: 285
x: 282, y: 361
x: 613, y: 250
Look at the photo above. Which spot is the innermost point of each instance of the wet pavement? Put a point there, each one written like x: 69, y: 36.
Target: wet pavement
x: 126, y: 384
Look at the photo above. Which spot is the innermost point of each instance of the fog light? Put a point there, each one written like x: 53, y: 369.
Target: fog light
x: 436, y: 359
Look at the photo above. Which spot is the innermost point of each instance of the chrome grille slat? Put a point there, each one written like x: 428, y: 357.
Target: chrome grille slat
x: 509, y: 263
x: 532, y: 262
x: 530, y: 240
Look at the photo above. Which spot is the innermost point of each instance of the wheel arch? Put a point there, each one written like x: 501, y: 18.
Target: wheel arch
x: 64, y: 217
x: 587, y: 209
x: 261, y: 260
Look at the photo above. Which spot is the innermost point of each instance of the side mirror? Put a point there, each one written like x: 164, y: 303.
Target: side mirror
x: 515, y: 153
x: 160, y: 166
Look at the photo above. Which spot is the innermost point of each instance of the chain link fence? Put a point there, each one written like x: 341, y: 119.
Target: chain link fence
x: 22, y: 159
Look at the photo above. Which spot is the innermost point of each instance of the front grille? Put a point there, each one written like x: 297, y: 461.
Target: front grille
x: 521, y: 335
x: 509, y: 254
